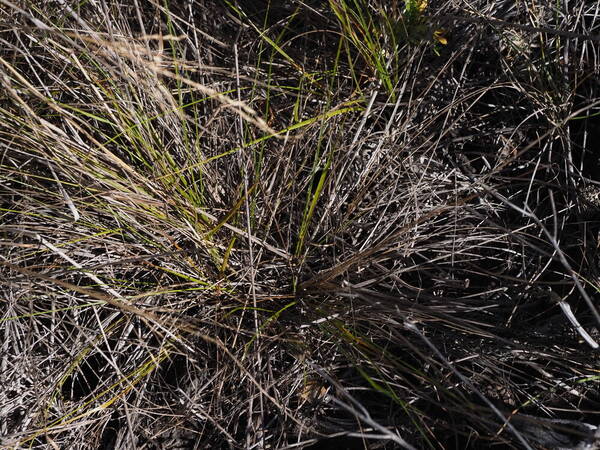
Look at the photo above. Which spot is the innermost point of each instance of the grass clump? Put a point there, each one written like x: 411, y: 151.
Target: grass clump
x: 299, y: 224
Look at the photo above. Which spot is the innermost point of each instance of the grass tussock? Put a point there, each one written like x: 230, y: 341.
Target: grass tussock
x: 304, y: 224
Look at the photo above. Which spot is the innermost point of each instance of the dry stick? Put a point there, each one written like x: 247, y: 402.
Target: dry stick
x: 65, y: 194
x: 568, y: 312
x: 505, y: 24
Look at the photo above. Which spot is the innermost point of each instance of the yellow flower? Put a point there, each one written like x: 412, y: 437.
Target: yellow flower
x: 438, y: 36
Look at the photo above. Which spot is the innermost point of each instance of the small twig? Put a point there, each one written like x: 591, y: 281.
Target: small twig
x: 505, y: 24
x: 567, y: 311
